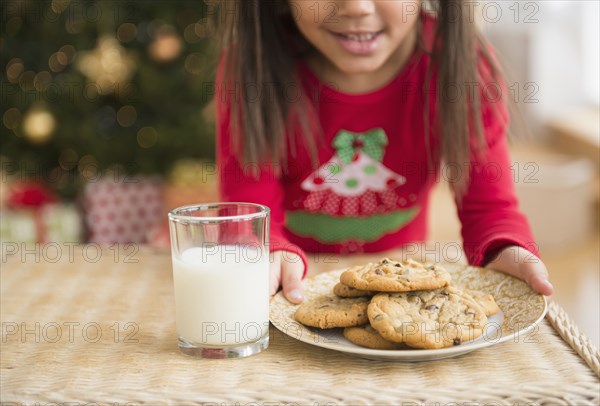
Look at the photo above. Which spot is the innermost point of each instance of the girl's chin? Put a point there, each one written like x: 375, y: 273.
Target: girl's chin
x: 359, y: 68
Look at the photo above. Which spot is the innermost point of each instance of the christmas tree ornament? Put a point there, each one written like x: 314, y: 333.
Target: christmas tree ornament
x: 42, y: 80
x: 87, y: 93
x: 147, y: 137
x: 165, y: 47
x: 108, y: 65
x: 205, y: 28
x: 126, y: 116
x: 88, y: 168
x: 69, y: 51
x: 126, y: 32
x: 11, y: 118
x: 59, y: 6
x: 14, y: 68
x: 189, y: 34
x: 38, y: 125
x: 26, y: 81
x: 58, y: 61
x: 195, y: 63
x: 352, y: 198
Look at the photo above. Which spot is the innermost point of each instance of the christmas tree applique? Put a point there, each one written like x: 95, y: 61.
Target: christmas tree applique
x: 352, y: 196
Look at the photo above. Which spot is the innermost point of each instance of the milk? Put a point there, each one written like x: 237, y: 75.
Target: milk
x: 221, y: 294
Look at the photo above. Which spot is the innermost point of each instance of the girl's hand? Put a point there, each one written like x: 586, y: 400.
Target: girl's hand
x: 519, y: 262
x: 287, y: 269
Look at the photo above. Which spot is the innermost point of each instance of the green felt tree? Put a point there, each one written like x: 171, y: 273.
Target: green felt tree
x: 87, y: 85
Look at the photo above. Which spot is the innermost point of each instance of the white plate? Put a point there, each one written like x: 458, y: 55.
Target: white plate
x: 521, y: 310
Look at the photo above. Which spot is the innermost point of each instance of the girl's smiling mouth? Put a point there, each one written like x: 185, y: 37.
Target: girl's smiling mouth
x: 358, y: 42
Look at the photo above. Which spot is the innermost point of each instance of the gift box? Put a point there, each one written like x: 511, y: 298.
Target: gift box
x: 189, y: 182
x: 62, y: 223
x: 31, y: 213
x: 55, y: 222
x: 122, y: 210
x: 18, y: 226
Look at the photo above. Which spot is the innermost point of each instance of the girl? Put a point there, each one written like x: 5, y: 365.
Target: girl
x: 341, y: 115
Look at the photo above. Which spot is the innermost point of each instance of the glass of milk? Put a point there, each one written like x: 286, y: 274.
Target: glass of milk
x: 221, y: 276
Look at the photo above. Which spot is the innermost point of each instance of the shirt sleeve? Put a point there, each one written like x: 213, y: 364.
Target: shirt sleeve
x: 254, y: 183
x: 489, y: 210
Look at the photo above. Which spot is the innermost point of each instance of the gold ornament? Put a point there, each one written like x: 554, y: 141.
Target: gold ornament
x: 38, y: 125
x: 165, y: 47
x: 108, y: 65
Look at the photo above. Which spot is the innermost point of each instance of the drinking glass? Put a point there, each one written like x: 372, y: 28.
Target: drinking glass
x: 221, y: 278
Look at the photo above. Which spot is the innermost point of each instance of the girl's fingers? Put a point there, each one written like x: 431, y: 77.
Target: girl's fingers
x: 536, y: 276
x: 291, y: 278
x: 541, y: 285
x: 519, y: 262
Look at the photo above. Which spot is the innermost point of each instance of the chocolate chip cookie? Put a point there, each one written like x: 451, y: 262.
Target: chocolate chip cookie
x: 485, y: 300
x: 395, y: 276
x: 366, y: 336
x: 342, y: 290
x: 329, y: 311
x: 427, y: 319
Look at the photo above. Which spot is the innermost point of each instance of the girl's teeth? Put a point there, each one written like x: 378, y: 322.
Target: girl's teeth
x: 360, y: 37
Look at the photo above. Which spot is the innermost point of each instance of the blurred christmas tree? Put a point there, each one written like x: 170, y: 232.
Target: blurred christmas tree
x: 88, y: 85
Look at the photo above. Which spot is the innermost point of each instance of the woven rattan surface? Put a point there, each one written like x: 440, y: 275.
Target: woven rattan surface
x: 100, y: 328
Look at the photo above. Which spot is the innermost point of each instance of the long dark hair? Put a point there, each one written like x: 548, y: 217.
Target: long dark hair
x: 260, y: 44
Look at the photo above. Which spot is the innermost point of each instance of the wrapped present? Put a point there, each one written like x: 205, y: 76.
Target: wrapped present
x: 122, y: 209
x: 30, y: 194
x: 61, y: 223
x: 189, y: 182
x: 54, y: 222
x: 31, y: 213
x: 18, y: 226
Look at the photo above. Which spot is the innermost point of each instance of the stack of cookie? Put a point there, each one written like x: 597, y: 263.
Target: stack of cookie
x: 398, y: 304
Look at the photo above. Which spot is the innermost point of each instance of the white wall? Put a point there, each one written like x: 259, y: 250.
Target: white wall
x: 551, y: 48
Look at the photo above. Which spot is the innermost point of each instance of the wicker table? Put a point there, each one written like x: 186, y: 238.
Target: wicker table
x: 96, y: 324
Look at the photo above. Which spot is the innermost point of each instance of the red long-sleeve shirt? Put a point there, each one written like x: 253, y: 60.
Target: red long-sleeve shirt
x: 371, y: 191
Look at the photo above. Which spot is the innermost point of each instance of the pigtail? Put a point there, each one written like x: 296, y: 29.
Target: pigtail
x: 260, y: 63
x: 456, y: 54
